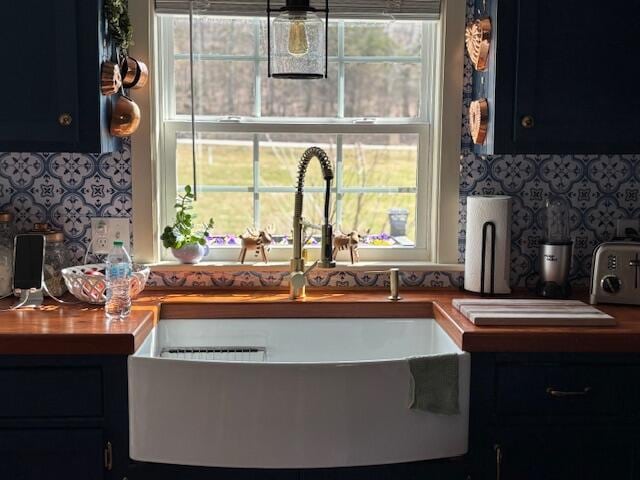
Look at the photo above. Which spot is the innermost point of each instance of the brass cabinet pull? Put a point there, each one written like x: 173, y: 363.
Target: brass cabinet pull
x: 561, y: 394
x: 108, y: 457
x: 527, y: 121
x: 498, y: 450
x: 65, y: 119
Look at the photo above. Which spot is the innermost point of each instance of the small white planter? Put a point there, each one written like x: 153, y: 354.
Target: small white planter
x: 191, y: 253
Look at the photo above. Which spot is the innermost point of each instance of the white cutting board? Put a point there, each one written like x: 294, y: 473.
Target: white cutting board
x: 505, y: 312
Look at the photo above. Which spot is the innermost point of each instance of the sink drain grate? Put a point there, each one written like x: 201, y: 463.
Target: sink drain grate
x: 228, y: 354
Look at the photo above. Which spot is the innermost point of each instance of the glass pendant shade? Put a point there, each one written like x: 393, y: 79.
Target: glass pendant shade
x: 298, y: 45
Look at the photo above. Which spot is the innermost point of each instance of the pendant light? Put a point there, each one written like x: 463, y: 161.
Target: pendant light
x: 297, y: 41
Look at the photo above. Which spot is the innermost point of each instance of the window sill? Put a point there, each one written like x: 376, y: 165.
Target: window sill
x: 408, y: 266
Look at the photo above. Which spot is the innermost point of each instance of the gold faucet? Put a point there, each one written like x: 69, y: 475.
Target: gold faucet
x: 298, y: 277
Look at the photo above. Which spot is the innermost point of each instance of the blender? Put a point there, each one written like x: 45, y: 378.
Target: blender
x: 555, y: 251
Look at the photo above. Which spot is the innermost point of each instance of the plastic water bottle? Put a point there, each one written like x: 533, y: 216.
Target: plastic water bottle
x: 119, y: 268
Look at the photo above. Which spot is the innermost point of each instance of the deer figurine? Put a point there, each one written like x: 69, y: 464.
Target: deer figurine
x: 346, y: 241
x: 259, y: 241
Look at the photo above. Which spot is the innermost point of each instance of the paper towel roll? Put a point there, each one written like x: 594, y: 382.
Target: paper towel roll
x: 481, y: 209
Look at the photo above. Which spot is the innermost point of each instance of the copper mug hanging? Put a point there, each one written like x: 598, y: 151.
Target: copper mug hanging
x: 125, y: 117
x: 134, y: 73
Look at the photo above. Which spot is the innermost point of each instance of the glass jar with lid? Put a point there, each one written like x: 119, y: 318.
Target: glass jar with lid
x: 7, y: 235
x: 56, y: 257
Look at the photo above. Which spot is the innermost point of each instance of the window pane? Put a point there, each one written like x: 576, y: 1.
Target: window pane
x: 280, y: 154
x: 214, y: 35
x: 386, y: 39
x: 300, y: 98
x: 382, y: 89
x: 221, y: 87
x: 232, y: 212
x: 370, y: 211
x: 380, y: 160
x: 222, y: 159
x: 277, y: 209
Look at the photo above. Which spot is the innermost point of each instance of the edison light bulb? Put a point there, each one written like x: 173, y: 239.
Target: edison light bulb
x: 298, y: 43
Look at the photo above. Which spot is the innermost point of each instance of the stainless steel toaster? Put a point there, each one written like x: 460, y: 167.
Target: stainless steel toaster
x: 615, y: 273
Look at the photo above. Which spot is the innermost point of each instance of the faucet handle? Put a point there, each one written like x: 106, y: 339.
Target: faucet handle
x: 307, y: 271
x: 298, y: 279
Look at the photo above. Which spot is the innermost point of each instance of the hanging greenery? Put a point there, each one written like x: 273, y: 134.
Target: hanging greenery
x: 117, y: 13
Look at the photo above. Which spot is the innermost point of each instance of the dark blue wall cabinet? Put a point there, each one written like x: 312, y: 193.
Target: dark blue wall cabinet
x: 562, y: 76
x: 51, y: 55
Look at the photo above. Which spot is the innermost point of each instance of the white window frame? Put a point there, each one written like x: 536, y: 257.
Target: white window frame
x: 438, y: 166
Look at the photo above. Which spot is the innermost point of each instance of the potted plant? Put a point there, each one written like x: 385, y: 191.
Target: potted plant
x: 187, y: 241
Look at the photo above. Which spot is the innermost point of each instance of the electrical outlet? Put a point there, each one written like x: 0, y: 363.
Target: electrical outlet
x: 105, y: 230
x: 627, y: 227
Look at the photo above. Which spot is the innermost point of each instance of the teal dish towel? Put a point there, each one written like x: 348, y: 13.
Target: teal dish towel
x: 434, y: 384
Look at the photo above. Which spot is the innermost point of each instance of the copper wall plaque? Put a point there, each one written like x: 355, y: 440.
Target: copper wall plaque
x: 477, y: 39
x: 479, y: 120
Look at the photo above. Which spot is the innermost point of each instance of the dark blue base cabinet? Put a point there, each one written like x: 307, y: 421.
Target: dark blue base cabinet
x: 52, y: 453
x: 534, y: 416
x: 63, y: 418
x: 555, y: 416
x: 440, y: 470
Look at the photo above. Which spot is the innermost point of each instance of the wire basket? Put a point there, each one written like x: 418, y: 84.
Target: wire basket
x: 88, y: 282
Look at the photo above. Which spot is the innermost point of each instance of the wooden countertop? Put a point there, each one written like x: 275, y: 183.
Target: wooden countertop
x: 624, y: 337
x: 58, y: 329
x: 82, y: 329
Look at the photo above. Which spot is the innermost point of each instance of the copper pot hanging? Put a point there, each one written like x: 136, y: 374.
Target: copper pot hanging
x: 134, y: 73
x: 125, y: 117
x: 477, y: 40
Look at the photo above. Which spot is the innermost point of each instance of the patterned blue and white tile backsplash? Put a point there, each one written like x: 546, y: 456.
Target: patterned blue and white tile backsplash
x: 67, y: 189
x: 190, y: 278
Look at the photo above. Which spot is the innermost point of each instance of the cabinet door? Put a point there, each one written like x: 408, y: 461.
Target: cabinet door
x: 51, y: 454
x: 51, y: 55
x: 39, y: 82
x: 575, y: 83
x: 552, y: 454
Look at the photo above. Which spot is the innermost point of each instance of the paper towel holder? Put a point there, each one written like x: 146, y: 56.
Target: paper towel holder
x: 487, y: 242
x: 486, y: 226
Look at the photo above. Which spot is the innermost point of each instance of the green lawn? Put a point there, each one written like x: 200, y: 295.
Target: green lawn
x: 232, y: 165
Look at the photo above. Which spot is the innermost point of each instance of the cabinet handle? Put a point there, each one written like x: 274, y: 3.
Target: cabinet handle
x: 65, y: 119
x: 561, y: 394
x: 108, y: 457
x: 527, y: 121
x: 498, y: 450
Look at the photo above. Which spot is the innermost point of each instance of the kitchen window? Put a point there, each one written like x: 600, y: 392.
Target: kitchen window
x: 374, y: 116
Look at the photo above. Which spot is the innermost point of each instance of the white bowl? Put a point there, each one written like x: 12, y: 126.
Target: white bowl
x: 88, y: 283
